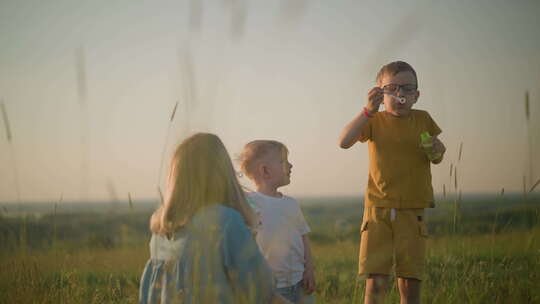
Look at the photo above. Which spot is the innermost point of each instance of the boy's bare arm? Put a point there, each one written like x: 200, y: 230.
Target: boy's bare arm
x: 309, y: 267
x: 351, y: 132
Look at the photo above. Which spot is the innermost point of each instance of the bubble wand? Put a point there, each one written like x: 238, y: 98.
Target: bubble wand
x: 401, y: 100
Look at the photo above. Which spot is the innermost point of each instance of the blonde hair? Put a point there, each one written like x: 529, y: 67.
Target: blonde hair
x: 254, y: 151
x: 201, y: 174
x: 393, y: 68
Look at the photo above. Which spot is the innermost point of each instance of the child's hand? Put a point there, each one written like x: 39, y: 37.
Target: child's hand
x: 309, y: 280
x: 375, y: 97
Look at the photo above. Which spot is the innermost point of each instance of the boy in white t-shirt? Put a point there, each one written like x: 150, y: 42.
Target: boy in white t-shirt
x: 282, y: 234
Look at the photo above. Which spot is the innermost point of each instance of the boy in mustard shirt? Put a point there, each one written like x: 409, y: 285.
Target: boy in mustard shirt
x: 399, y: 184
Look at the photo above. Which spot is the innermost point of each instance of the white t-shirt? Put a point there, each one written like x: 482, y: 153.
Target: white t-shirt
x: 279, y: 236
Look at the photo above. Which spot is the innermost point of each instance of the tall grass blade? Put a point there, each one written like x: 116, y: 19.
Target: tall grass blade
x: 161, y: 200
x: 529, y: 164
x: 527, y: 106
x: 524, y: 185
x: 455, y: 216
x: 6, y: 122
x: 55, y: 226
x: 23, y: 235
x: 534, y: 186
x: 189, y: 84
x: 460, y: 149
x: 173, y: 113
x: 455, y: 178
x: 130, y: 201
x: 444, y: 190
x: 9, y: 137
x: 82, y: 94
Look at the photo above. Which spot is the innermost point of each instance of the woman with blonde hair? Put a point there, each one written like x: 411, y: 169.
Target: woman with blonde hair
x: 202, y: 249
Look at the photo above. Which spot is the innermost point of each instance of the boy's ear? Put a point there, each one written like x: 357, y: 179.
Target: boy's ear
x: 265, y: 172
x: 416, y: 97
x: 262, y: 170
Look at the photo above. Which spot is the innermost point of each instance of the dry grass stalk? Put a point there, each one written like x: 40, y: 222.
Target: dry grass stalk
x: 455, y: 215
x: 55, y: 235
x: 524, y: 185
x: 457, y: 205
x: 82, y: 94
x: 529, y: 140
x: 161, y: 199
x: 189, y: 85
x: 6, y: 122
x: 534, y: 186
x: 527, y: 106
x: 173, y: 113
x: 444, y: 190
x: 460, y: 149
x: 455, y: 178
x: 9, y: 137
x: 130, y: 201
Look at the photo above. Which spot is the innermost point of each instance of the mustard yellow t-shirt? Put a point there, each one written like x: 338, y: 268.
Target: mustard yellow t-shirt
x: 399, y: 171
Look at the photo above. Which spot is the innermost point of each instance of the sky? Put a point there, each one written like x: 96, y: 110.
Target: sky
x: 89, y: 88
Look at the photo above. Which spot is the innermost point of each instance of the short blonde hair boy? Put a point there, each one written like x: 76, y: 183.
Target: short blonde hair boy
x: 255, y: 151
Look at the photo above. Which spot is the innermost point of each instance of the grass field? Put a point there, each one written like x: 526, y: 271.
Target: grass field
x: 494, y: 256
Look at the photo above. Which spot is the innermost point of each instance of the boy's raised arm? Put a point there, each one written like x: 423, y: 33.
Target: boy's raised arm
x: 351, y: 132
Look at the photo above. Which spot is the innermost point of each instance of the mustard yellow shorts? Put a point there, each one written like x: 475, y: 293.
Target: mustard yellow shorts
x: 393, y: 237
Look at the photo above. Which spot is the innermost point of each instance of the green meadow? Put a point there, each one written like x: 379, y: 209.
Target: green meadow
x: 482, y: 249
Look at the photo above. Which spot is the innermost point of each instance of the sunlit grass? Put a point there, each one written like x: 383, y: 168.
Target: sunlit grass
x: 486, y: 268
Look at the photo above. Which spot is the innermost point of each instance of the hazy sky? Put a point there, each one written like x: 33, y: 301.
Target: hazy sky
x: 294, y: 71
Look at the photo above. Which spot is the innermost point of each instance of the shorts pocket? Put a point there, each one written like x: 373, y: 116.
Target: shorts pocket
x: 422, y: 229
x: 420, y: 219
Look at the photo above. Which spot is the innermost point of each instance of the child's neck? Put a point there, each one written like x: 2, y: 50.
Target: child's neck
x: 268, y: 190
